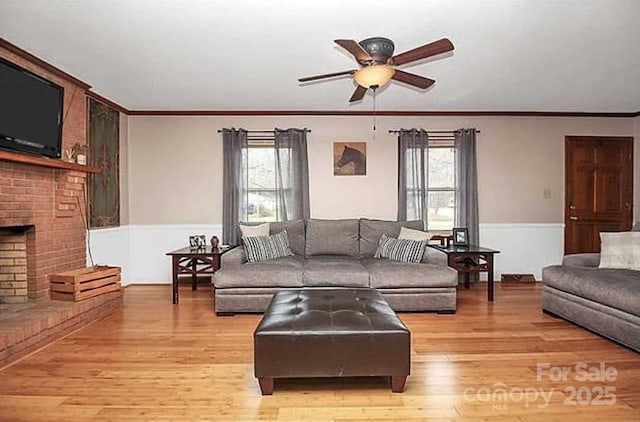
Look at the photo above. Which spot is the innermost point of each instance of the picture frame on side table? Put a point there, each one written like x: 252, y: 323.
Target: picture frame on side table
x: 460, y: 236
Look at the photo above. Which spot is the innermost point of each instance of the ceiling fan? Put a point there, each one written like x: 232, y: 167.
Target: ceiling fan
x: 377, y: 64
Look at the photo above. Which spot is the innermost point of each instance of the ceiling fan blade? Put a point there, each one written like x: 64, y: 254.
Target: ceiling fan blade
x: 356, y: 49
x: 358, y: 94
x: 427, y: 50
x: 413, y: 80
x: 326, y: 75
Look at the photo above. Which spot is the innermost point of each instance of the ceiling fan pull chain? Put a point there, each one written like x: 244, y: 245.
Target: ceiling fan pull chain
x: 374, y: 109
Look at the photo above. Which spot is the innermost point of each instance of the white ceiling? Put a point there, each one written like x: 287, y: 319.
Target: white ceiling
x: 527, y: 55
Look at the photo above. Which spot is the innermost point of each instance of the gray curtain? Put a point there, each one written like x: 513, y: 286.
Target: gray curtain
x: 234, y: 193
x: 467, y: 183
x: 413, y: 162
x: 292, y: 174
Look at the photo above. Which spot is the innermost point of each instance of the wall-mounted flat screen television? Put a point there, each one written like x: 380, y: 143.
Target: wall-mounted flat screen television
x: 30, y: 112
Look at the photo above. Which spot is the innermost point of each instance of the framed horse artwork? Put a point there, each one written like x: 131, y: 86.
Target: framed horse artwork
x: 349, y: 158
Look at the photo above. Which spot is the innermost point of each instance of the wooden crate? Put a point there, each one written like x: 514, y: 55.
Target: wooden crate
x: 84, y: 283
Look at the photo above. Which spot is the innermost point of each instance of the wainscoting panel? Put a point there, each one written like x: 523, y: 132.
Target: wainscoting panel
x: 150, y: 243
x: 140, y: 249
x: 111, y: 246
x: 525, y: 248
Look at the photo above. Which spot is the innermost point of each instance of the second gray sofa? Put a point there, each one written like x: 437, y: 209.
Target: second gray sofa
x: 603, y: 300
x: 336, y: 253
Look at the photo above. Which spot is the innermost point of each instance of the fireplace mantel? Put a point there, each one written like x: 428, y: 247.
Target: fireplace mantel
x: 46, y: 162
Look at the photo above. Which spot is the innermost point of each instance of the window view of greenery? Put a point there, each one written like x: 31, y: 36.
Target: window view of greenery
x: 441, y: 191
x: 260, y: 203
x: 441, y: 195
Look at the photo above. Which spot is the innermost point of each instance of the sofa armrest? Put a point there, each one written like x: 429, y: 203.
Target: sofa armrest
x: 434, y: 256
x: 591, y: 260
x: 233, y: 258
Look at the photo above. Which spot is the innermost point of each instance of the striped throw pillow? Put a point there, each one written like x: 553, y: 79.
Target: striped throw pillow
x: 265, y: 248
x: 403, y: 250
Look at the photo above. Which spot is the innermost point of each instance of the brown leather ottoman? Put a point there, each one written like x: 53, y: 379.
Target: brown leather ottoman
x: 331, y: 333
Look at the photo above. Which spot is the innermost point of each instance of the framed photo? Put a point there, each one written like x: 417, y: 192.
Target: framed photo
x: 349, y: 158
x: 197, y: 242
x: 460, y: 236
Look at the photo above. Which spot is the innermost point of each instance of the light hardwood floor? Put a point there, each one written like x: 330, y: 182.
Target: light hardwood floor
x: 155, y: 361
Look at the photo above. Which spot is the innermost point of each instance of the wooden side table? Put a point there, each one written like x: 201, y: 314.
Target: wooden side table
x: 470, y: 259
x: 194, y: 262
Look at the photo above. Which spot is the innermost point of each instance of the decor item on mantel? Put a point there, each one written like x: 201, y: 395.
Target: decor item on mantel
x: 215, y: 242
x: 83, y: 283
x: 80, y: 153
x: 349, y: 158
x: 68, y: 155
x: 377, y: 64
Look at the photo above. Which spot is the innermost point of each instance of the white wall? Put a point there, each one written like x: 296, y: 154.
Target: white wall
x: 174, y: 180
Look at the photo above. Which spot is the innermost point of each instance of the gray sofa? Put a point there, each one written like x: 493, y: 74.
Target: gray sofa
x: 603, y: 300
x: 336, y: 253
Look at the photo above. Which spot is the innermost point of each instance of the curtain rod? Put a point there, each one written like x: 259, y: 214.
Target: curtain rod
x: 263, y: 131
x: 433, y: 131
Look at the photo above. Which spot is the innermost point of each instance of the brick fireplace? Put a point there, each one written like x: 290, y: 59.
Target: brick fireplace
x: 42, y: 231
x: 46, y: 204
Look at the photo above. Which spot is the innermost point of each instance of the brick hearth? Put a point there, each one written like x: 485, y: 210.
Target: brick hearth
x: 26, y: 327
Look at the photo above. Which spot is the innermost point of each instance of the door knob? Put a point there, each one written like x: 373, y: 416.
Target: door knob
x: 572, y: 207
x: 573, y: 218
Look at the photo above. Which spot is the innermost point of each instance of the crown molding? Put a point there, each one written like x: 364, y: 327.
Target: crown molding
x: 406, y: 113
x: 99, y: 98
x: 12, y: 48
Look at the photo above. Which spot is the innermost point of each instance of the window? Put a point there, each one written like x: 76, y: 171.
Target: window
x: 259, y: 167
x: 440, y: 186
x: 265, y: 177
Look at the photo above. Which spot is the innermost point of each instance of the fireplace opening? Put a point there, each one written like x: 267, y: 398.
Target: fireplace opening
x: 14, y: 264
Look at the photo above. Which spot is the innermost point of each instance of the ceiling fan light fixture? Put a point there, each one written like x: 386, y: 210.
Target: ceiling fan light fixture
x: 374, y: 76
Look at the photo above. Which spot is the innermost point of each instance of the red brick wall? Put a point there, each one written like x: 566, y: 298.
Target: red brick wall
x: 46, y: 198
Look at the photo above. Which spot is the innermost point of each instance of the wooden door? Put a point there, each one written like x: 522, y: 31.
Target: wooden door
x: 598, y: 191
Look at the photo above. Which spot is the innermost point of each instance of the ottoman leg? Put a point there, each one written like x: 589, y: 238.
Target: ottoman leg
x: 397, y: 383
x: 266, y: 386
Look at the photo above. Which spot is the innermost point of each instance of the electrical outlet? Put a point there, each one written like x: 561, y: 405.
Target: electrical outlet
x: 546, y: 194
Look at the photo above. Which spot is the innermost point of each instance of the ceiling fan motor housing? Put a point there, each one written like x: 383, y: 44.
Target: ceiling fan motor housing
x: 380, y: 49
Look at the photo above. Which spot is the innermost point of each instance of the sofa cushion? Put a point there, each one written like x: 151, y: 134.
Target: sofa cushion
x: 617, y: 288
x: 402, y: 250
x: 411, y: 234
x: 295, y: 232
x: 392, y: 274
x: 370, y: 231
x: 581, y: 260
x: 254, y: 230
x: 334, y: 271
x: 265, y: 248
x: 332, y: 237
x: 281, y: 272
x: 620, y: 250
